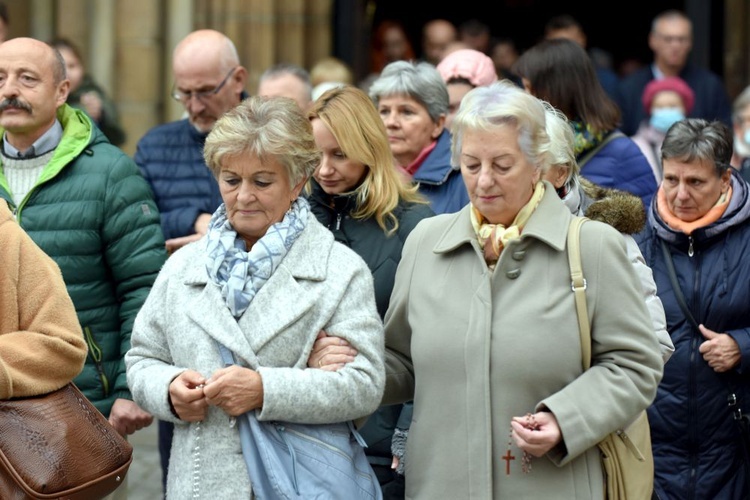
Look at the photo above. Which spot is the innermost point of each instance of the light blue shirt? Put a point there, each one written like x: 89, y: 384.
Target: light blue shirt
x: 46, y: 143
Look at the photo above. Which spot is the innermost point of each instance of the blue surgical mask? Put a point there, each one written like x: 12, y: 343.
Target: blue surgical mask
x: 663, y: 118
x: 746, y: 137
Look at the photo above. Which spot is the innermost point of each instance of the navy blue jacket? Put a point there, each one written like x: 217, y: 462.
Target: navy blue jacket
x: 170, y: 157
x: 696, y: 443
x: 620, y: 164
x: 438, y: 181
x: 711, y: 99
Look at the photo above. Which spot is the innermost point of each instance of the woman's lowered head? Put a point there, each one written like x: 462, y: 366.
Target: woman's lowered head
x: 502, y: 147
x: 261, y: 152
x: 356, y: 155
x: 697, y: 176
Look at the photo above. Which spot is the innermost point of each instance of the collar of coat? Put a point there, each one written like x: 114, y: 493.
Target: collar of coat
x: 548, y: 223
x: 316, y: 240
x: 621, y: 210
x: 307, y: 259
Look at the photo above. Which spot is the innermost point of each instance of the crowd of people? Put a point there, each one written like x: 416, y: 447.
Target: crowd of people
x: 390, y: 251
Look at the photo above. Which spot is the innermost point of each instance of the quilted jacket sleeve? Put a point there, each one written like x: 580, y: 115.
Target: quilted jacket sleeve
x: 134, y: 247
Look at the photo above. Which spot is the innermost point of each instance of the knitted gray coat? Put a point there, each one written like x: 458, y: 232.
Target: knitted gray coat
x: 319, y: 285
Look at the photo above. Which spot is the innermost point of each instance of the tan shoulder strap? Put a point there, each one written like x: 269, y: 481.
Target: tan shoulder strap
x: 578, y: 284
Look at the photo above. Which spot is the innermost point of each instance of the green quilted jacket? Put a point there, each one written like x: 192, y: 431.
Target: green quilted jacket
x: 94, y: 214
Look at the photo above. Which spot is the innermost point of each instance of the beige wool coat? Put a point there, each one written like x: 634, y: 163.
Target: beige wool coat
x: 41, y: 342
x: 475, y: 348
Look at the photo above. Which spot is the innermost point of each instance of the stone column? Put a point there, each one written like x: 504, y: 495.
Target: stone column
x: 139, y: 75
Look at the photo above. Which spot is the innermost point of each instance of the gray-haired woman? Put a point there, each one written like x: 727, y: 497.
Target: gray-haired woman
x: 413, y: 103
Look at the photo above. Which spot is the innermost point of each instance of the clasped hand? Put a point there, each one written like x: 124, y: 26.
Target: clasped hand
x: 720, y: 350
x: 234, y: 389
x: 536, y: 434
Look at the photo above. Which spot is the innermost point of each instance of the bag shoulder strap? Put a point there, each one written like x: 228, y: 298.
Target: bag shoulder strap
x: 612, y: 135
x: 578, y: 285
x: 676, y: 286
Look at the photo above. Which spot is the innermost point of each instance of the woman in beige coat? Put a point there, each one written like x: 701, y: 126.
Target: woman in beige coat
x: 482, y: 331
x: 41, y: 342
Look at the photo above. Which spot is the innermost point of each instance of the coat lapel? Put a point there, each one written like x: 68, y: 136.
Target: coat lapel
x: 279, y: 304
x: 549, y: 223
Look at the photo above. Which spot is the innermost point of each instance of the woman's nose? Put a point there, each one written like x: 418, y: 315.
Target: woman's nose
x: 246, y: 192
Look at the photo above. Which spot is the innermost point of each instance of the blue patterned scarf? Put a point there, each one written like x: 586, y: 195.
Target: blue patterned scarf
x: 240, y: 273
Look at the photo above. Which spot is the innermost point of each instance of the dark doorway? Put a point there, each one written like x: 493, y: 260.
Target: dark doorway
x: 619, y: 28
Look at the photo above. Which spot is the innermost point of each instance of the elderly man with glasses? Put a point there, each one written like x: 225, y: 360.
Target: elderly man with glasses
x: 208, y: 82
x: 671, y: 40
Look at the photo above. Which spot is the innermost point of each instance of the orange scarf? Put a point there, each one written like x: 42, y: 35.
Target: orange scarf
x: 688, y: 227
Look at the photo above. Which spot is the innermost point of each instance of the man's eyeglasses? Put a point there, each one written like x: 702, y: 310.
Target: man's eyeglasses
x: 201, y: 95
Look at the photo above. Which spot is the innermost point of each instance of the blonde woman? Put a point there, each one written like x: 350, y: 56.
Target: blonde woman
x: 359, y: 195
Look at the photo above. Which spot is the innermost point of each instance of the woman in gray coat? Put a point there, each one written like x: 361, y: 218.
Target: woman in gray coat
x: 482, y: 329
x: 265, y: 279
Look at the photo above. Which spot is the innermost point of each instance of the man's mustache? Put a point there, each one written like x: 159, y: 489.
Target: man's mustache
x: 14, y: 103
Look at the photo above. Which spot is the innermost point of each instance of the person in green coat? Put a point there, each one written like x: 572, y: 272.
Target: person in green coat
x: 84, y: 202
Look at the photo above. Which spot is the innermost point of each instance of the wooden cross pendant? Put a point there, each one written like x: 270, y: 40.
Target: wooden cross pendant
x: 508, y: 457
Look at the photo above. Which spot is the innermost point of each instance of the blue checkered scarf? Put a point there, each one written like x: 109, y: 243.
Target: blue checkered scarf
x: 240, y: 273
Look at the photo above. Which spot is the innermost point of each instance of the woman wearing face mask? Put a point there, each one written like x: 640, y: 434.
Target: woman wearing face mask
x: 666, y: 101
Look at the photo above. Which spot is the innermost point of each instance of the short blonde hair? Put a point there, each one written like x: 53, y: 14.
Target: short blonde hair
x: 268, y: 127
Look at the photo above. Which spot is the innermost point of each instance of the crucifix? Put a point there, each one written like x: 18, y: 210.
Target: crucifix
x: 507, y: 457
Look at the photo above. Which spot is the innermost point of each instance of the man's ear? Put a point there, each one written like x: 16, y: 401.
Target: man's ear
x: 63, y: 89
x: 240, y: 77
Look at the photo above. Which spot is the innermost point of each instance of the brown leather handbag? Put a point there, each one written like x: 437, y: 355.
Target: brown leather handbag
x: 59, y: 446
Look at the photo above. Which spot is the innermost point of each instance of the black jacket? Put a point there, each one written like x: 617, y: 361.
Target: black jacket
x: 382, y: 254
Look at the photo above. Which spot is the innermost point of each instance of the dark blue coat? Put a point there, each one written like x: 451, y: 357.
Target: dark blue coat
x: 170, y: 157
x: 620, y: 164
x: 439, y: 182
x: 711, y: 98
x: 696, y: 443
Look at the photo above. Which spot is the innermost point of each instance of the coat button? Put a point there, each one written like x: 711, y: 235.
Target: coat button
x: 519, y: 254
x: 513, y: 273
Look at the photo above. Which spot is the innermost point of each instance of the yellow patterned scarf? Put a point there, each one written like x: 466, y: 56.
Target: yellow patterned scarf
x: 494, y: 237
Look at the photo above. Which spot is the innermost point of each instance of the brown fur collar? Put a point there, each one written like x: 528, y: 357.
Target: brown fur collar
x: 620, y: 209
